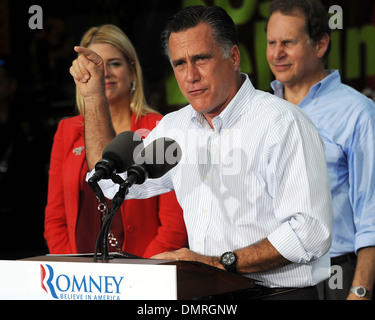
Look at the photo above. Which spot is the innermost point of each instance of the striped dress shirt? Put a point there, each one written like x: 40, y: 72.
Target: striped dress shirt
x: 259, y: 173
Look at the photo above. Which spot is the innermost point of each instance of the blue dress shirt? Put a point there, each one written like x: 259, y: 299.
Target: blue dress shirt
x: 345, y: 119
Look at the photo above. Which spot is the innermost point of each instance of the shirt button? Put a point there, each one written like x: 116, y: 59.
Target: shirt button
x: 130, y: 228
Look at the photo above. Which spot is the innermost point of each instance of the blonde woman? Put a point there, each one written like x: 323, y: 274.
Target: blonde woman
x: 73, y: 213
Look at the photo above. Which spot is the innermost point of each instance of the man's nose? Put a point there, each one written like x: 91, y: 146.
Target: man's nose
x: 192, y: 73
x: 278, y: 51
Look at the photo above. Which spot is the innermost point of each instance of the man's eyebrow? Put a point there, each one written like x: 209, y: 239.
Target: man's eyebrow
x: 193, y: 58
x: 202, y: 56
x: 283, y: 40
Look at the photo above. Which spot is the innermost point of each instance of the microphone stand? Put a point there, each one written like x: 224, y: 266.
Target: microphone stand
x: 115, y: 205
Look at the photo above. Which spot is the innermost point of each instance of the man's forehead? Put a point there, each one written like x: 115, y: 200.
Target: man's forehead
x: 193, y: 41
x: 285, y: 26
x: 202, y: 30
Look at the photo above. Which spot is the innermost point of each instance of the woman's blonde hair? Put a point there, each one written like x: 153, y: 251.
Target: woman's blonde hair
x: 113, y: 35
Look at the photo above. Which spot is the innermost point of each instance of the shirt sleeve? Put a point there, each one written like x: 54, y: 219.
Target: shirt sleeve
x: 361, y: 164
x: 150, y: 188
x: 299, y: 184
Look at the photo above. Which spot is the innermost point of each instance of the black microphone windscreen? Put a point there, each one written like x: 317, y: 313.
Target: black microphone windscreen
x: 159, y: 157
x: 123, y: 149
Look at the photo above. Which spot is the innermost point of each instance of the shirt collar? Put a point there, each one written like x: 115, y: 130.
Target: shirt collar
x: 233, y: 110
x: 331, y: 80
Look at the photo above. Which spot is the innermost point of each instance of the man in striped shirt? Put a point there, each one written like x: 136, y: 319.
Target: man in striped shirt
x: 252, y: 180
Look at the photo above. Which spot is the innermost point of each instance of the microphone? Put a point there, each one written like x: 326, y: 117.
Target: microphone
x: 154, y: 161
x: 117, y: 156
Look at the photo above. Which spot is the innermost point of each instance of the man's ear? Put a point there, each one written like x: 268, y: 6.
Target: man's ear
x: 235, y: 56
x: 322, y: 45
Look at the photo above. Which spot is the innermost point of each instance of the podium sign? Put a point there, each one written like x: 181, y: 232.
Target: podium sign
x: 77, y: 277
x: 43, y: 280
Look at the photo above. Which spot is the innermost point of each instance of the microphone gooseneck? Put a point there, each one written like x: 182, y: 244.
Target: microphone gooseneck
x: 117, y: 156
x: 153, y: 162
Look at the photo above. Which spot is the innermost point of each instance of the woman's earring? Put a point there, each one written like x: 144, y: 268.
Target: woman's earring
x: 132, y: 86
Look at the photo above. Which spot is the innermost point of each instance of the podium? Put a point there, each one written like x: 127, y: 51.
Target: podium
x: 61, y: 277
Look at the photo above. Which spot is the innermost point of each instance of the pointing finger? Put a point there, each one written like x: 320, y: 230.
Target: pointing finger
x: 89, y: 54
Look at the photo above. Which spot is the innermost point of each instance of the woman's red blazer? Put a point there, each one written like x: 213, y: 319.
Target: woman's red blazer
x: 151, y: 226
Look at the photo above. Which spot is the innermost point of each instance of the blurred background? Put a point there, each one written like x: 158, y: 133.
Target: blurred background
x: 37, y: 91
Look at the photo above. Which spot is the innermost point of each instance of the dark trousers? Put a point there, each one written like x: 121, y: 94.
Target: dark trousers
x: 263, y: 293
x: 337, y: 287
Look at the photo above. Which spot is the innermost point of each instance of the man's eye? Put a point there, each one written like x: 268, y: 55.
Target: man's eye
x: 289, y: 44
x: 271, y: 43
x: 178, y: 63
x: 202, y: 59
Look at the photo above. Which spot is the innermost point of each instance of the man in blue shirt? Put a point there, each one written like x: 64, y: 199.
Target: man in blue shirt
x: 298, y: 43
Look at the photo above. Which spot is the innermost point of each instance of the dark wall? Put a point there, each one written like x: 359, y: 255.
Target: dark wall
x: 46, y: 93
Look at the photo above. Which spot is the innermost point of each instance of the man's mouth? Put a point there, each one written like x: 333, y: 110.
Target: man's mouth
x: 196, y: 92
x: 282, y: 67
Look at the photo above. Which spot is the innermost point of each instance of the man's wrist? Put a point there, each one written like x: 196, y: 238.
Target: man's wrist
x: 215, y: 261
x: 361, y: 292
x: 97, y: 99
x: 229, y: 261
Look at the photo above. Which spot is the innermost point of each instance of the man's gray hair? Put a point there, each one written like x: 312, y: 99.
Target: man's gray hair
x: 223, y: 28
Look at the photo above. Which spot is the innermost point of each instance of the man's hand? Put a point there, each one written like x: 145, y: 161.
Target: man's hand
x: 364, y: 272
x: 88, y: 72
x: 188, y: 255
x: 259, y: 257
x: 89, y: 75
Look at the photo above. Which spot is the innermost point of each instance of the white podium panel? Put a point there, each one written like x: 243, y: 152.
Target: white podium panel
x: 46, y: 280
